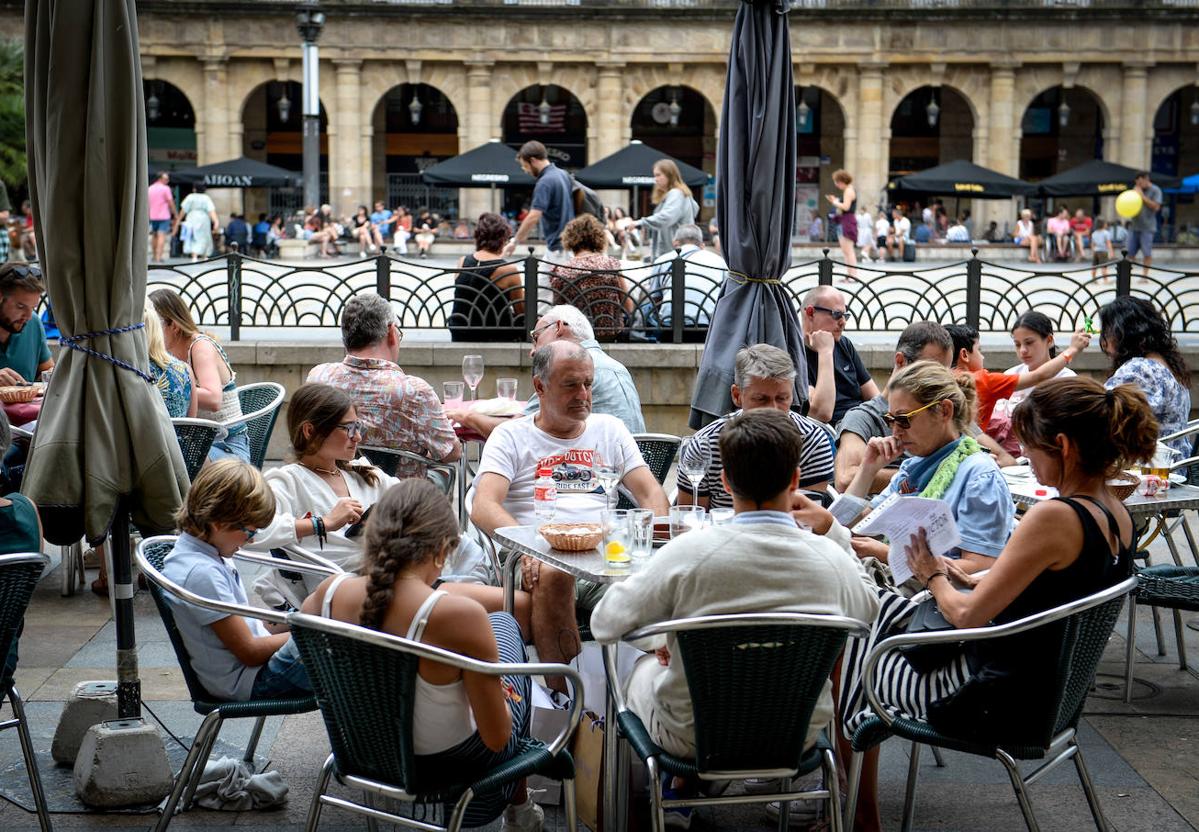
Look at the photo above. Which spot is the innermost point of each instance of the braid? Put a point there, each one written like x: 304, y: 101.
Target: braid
x: 380, y: 588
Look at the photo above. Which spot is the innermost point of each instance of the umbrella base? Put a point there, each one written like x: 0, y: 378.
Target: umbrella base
x: 90, y: 703
x: 122, y: 763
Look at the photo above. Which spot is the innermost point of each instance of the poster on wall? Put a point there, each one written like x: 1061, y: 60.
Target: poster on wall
x: 807, y: 197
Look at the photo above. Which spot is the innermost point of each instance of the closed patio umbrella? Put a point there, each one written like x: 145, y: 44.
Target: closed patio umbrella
x: 755, y: 206
x: 104, y: 446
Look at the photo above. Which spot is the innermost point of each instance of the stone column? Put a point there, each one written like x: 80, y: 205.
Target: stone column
x: 873, y: 149
x: 611, y: 120
x: 1134, y: 120
x: 1000, y: 142
x: 213, y: 145
x: 348, y: 167
x: 480, y: 128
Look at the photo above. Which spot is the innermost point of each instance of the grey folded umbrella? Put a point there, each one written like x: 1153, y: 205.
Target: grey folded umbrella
x: 755, y: 206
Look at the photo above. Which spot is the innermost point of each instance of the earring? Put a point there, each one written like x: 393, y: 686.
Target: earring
x: 439, y: 564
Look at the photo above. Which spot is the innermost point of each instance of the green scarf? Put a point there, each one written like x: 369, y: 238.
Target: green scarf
x: 948, y: 468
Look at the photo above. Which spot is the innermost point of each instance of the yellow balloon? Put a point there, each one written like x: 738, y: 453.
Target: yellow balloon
x: 1128, y: 204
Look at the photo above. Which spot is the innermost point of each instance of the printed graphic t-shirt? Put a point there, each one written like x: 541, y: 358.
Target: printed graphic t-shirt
x: 517, y: 448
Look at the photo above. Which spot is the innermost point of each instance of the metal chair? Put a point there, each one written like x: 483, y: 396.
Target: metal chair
x: 72, y: 574
x: 388, y: 460
x: 260, y: 404
x: 1170, y: 587
x: 754, y: 681
x: 151, y: 554
x: 19, y: 574
x: 364, y: 682
x: 658, y: 450
x: 195, y: 437
x: 1088, y: 625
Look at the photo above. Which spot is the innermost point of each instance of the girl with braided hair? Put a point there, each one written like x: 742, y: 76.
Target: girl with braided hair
x: 461, y: 719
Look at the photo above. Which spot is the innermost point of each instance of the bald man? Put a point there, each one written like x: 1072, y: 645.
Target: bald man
x: 838, y: 380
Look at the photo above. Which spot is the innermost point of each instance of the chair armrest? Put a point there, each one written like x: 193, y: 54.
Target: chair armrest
x: 326, y: 568
x: 1191, y: 428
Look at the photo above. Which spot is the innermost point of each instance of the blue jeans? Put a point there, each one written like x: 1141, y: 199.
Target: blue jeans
x: 284, y: 675
x: 237, y: 445
x: 1140, y: 241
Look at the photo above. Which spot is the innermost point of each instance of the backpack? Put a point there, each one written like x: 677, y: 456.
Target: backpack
x: 586, y: 201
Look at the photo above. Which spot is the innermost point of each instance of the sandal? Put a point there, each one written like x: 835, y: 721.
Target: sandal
x: 100, y: 587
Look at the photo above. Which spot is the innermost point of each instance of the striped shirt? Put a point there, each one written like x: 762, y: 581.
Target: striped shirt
x: 815, y: 462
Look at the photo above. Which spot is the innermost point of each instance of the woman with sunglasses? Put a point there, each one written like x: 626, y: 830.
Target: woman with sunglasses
x: 930, y: 418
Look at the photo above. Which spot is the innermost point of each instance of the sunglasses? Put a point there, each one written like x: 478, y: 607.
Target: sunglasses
x: 249, y: 533
x: 835, y: 314
x: 23, y: 271
x: 354, y: 430
x: 904, y: 420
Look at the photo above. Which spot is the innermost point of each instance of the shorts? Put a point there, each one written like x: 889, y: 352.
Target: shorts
x: 588, y: 594
x: 1099, y: 258
x: 160, y: 226
x: 1141, y: 241
x: 881, y: 242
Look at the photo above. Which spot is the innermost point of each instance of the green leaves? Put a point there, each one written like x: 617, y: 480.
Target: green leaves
x: 12, y: 112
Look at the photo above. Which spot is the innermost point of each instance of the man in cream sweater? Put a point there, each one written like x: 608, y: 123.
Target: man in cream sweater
x: 762, y: 561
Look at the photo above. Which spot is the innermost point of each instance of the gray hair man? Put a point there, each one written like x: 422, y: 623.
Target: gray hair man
x: 565, y: 437
x: 613, y: 394
x: 703, y: 275
x: 396, y: 410
x: 838, y: 379
x: 764, y: 376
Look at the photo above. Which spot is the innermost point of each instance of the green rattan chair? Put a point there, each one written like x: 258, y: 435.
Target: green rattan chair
x: 658, y: 450
x: 151, y: 554
x: 195, y: 437
x: 365, y: 682
x: 387, y: 460
x: 260, y: 405
x: 1170, y: 587
x: 1088, y: 626
x: 754, y: 681
x: 19, y: 574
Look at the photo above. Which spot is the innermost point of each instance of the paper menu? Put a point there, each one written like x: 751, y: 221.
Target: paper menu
x: 899, y: 518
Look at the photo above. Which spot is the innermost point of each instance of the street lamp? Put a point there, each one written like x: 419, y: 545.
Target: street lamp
x: 543, y: 109
x: 674, y: 109
x: 1195, y: 112
x: 1063, y: 113
x: 309, y: 21
x: 934, y: 112
x: 153, y: 110
x: 284, y: 105
x: 414, y: 107
x: 803, y: 109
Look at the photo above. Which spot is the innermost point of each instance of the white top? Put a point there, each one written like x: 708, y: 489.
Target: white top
x: 740, y: 567
x: 1019, y: 370
x: 517, y: 448
x: 903, y: 229
x: 703, y: 276
x: 882, y: 228
x: 198, y: 567
x: 865, y: 226
x: 1023, y: 229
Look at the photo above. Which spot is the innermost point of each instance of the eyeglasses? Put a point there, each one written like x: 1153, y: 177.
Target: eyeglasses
x: 835, y: 314
x: 536, y: 332
x: 354, y: 430
x: 249, y: 533
x: 904, y: 420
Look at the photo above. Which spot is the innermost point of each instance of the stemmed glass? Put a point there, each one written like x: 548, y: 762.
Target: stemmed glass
x: 609, y: 477
x: 694, y: 464
x: 472, y: 373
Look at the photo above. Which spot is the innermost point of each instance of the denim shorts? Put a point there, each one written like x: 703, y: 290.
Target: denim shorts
x: 1141, y: 241
x: 160, y: 226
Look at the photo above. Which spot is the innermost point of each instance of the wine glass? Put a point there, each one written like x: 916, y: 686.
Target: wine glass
x: 472, y: 373
x: 694, y: 465
x: 608, y: 474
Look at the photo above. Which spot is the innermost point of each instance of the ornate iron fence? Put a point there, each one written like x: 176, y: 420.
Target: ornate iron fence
x: 639, y: 302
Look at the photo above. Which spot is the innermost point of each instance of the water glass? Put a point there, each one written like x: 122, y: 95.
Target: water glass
x: 505, y: 388
x: 472, y: 373
x: 720, y: 516
x: 451, y: 394
x: 685, y: 518
x: 617, y: 542
x: 641, y: 533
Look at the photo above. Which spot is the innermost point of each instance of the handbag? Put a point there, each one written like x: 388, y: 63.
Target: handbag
x: 925, y: 658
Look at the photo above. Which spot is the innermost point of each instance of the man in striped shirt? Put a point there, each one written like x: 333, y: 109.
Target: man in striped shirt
x: 764, y: 377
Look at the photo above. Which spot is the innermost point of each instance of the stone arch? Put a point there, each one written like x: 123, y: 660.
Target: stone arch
x: 379, y: 78
x: 400, y: 148
x: 910, y: 85
x: 185, y: 76
x: 643, y: 80
x: 920, y: 138
x: 693, y: 140
x: 1047, y: 145
x: 171, y: 138
x: 510, y: 79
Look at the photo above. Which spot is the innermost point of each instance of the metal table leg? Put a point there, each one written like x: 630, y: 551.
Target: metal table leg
x: 511, y: 567
x: 615, y: 792
x: 463, y: 473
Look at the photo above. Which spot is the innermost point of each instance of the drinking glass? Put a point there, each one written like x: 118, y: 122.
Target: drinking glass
x: 609, y: 477
x: 472, y: 373
x: 641, y: 533
x: 451, y: 394
x: 694, y: 465
x: 720, y: 516
x: 505, y: 388
x: 685, y: 518
x: 617, y: 542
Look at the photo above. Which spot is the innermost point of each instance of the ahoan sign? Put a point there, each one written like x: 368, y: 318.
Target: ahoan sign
x: 228, y: 180
x: 489, y: 177
x: 971, y: 187
x: 1111, y: 187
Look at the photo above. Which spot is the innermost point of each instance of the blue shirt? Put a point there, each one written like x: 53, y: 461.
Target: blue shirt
x: 382, y: 221
x: 552, y: 197
x: 26, y: 350
x: 775, y: 518
x: 612, y: 393
x: 979, y: 498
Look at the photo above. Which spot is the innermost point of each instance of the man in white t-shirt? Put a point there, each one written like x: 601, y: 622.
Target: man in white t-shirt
x: 901, y: 233
x: 565, y: 436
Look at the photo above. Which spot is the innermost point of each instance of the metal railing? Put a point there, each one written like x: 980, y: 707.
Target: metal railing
x: 638, y: 303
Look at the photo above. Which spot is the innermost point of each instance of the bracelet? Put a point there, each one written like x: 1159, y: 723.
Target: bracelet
x: 940, y: 572
x: 318, y: 526
x: 1069, y: 356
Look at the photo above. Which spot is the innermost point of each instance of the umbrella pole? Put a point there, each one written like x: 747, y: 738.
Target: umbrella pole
x: 493, y: 199
x: 633, y: 207
x: 129, y: 686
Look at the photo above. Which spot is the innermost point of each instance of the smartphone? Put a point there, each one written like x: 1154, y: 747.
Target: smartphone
x: 356, y: 529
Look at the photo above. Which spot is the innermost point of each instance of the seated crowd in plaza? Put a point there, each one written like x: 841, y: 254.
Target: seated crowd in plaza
x: 939, y: 428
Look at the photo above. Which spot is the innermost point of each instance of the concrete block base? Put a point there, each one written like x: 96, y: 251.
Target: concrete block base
x: 88, y: 704
x: 122, y: 763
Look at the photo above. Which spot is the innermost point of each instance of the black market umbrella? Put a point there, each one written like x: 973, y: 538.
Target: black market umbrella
x: 492, y: 165
x: 238, y: 173
x: 104, y: 446
x: 632, y: 167
x: 962, y: 179
x: 1097, y: 178
x: 755, y: 205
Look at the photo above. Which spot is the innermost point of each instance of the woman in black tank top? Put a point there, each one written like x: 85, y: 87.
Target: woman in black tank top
x: 488, y: 292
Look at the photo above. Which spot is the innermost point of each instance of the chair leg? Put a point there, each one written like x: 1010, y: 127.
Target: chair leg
x: 784, y: 806
x: 322, y: 783
x: 1130, y: 648
x: 1088, y: 788
x: 35, y: 777
x: 657, y: 818
x: 193, y: 782
x: 1013, y: 773
x: 937, y: 756
x: 909, y: 798
x: 854, y: 778
x: 455, y: 822
x: 252, y: 745
x: 1182, y: 647
x: 836, y: 822
x: 185, y: 772
x: 569, y: 805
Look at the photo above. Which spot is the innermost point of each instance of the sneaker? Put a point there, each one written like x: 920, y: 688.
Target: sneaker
x: 678, y: 817
x: 525, y: 817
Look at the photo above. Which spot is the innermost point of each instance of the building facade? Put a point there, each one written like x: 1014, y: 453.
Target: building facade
x: 883, y: 87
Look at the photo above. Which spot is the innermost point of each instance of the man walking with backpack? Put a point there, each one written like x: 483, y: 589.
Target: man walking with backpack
x: 553, y: 203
